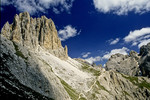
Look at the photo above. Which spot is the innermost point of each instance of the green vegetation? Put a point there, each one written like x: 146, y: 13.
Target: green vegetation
x: 125, y: 93
x: 93, y: 95
x: 144, y: 84
x: 134, y: 80
x: 101, y: 87
x: 87, y: 68
x: 82, y: 98
x: 19, y: 53
x: 72, y: 93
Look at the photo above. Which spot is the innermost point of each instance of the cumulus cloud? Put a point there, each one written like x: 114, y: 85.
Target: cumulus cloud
x: 34, y: 6
x: 93, y: 59
x: 123, y: 51
x: 144, y: 42
x: 122, y: 7
x: 67, y: 32
x: 112, y: 42
x: 133, y: 35
x: 85, y: 55
x: 138, y: 37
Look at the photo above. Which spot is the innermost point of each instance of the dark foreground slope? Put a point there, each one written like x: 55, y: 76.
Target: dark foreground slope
x: 12, y: 89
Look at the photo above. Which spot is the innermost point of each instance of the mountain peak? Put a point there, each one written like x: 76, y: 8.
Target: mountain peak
x: 34, y: 32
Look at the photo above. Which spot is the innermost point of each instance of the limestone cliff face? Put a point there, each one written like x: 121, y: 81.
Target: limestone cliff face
x: 34, y: 32
x: 127, y: 64
x: 133, y: 64
x: 26, y: 76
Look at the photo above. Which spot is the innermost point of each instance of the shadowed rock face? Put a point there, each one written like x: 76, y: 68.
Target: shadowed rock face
x: 145, y: 60
x: 34, y: 32
x: 11, y: 88
x: 24, y: 75
x: 144, y: 50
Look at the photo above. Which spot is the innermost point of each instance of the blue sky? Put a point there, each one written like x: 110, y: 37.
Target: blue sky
x: 92, y: 29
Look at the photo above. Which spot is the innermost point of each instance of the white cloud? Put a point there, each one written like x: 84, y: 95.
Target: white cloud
x: 5, y: 2
x: 56, y: 11
x: 112, y: 42
x: 134, y: 43
x: 123, y: 51
x: 144, y: 42
x: 147, y: 36
x: 93, y: 59
x: 34, y: 6
x: 138, y: 37
x: 104, y: 65
x: 133, y: 35
x: 67, y: 32
x: 84, y: 55
x: 122, y: 7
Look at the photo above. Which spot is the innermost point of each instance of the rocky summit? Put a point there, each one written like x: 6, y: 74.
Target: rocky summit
x: 35, y: 66
x: 34, y: 32
x: 127, y: 64
x: 133, y: 64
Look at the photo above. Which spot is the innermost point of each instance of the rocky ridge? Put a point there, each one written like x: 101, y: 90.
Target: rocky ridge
x: 127, y: 64
x: 34, y: 33
x: 34, y: 70
x: 133, y: 64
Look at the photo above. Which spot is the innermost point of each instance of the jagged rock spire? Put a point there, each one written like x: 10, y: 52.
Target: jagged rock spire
x: 34, y: 32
